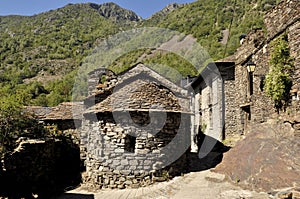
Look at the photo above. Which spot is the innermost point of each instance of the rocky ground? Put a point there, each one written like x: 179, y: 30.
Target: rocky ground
x: 267, y: 159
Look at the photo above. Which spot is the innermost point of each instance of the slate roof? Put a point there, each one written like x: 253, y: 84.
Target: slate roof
x: 142, y: 96
x: 64, y: 111
x: 140, y: 88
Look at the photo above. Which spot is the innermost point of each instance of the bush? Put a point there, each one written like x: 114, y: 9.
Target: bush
x: 15, y: 123
x: 278, y: 81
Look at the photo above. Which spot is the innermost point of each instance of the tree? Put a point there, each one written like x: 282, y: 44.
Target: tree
x: 15, y: 123
x: 278, y: 80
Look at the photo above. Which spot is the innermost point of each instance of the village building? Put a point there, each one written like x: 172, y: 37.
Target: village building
x: 138, y: 132
x: 228, y: 98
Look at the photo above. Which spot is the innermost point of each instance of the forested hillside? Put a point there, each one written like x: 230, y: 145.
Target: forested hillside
x: 37, y: 52
x: 40, y: 54
x: 209, y: 20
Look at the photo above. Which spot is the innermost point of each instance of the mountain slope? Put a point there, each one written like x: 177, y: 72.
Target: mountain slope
x: 39, y: 55
x: 51, y: 45
x: 206, y: 20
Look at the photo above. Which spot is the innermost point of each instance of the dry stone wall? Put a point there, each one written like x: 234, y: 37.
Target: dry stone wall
x: 126, y: 155
x: 100, y: 85
x: 42, y: 167
x: 231, y: 109
x: 294, y: 43
x: 281, y: 17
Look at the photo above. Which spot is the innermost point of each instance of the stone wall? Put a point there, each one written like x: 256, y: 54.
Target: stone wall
x: 126, y: 155
x: 42, y: 167
x: 258, y: 108
x: 231, y: 108
x: 281, y: 17
x: 133, y: 129
x: 101, y: 83
x: 95, y: 78
x: 142, y: 94
x: 294, y: 43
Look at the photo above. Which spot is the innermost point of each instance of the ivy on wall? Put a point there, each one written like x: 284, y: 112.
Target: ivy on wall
x: 278, y: 81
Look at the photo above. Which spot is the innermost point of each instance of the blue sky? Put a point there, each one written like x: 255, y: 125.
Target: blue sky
x: 143, y: 8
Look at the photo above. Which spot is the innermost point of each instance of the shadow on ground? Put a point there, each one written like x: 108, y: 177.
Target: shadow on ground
x: 76, y: 196
x: 213, y: 157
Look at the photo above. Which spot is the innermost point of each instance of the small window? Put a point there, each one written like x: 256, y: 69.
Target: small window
x: 211, y: 116
x: 262, y: 83
x: 130, y: 143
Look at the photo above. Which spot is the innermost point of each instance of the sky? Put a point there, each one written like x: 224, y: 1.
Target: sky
x: 143, y: 8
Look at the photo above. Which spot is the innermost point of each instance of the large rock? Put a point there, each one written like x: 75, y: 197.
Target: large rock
x: 267, y: 159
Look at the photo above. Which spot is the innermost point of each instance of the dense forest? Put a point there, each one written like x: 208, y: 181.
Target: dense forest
x: 40, y: 54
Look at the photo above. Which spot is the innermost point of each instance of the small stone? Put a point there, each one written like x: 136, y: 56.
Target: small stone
x: 124, y: 162
x: 128, y: 182
x: 112, y: 182
x: 130, y: 177
x: 125, y: 172
x: 116, y: 172
x: 106, y: 181
x: 147, y: 162
x: 285, y: 195
x: 135, y: 186
x: 133, y: 162
x: 122, y: 179
x: 121, y: 186
x: 112, y: 186
x: 119, y: 150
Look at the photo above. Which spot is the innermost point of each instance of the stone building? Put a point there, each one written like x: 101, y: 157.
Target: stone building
x: 66, y: 117
x: 212, y: 102
x: 251, y: 100
x: 137, y: 131
x: 231, y: 105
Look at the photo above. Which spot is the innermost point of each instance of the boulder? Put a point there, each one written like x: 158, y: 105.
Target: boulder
x: 267, y: 159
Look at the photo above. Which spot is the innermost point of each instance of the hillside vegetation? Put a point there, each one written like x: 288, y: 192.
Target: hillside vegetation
x: 40, y: 54
x: 206, y: 20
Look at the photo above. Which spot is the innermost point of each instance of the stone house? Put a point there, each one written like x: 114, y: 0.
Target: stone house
x: 251, y: 100
x: 137, y: 131
x: 212, y: 100
x: 226, y: 102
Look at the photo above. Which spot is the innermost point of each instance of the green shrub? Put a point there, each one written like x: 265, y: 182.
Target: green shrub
x: 15, y: 123
x: 278, y: 81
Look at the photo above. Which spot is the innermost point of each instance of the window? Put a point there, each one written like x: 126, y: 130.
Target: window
x: 130, y: 142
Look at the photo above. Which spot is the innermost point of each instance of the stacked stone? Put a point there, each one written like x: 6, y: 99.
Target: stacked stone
x: 94, y: 84
x: 141, y: 95
x: 294, y: 37
x: 98, y: 91
x: 149, y: 95
x: 284, y: 17
x: 133, y: 119
x: 281, y: 17
x: 110, y: 164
